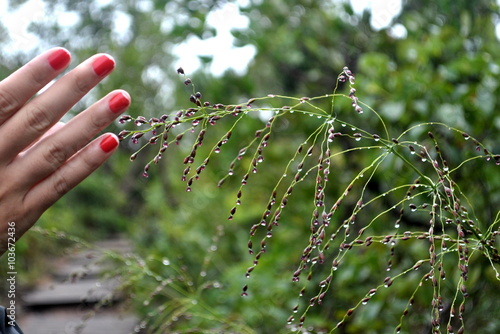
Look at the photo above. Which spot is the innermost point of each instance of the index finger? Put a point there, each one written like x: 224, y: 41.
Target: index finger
x: 20, y: 86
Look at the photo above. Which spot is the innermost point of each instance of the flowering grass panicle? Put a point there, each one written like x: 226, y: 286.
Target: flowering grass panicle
x: 347, y: 216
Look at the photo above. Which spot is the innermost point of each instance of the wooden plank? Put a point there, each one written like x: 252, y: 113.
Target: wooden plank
x: 89, y: 291
x: 66, y: 321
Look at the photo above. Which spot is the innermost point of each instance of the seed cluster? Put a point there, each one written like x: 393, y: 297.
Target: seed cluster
x: 347, y: 75
x: 341, y: 222
x: 170, y: 129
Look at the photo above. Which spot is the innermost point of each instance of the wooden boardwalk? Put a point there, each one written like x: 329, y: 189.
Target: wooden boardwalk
x: 60, y: 306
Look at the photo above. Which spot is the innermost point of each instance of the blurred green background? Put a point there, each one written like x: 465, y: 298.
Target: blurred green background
x: 422, y: 61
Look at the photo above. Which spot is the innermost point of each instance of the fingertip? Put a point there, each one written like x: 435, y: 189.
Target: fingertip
x: 103, y: 64
x: 59, y: 58
x: 120, y: 101
x: 109, y: 142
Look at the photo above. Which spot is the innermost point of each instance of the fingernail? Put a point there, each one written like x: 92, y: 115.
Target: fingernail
x: 109, y: 143
x: 119, y: 102
x: 59, y: 59
x: 103, y: 65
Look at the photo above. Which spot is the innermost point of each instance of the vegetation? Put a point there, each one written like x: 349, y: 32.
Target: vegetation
x: 342, y: 204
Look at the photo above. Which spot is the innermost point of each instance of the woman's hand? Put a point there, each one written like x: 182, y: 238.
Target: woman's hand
x: 41, y: 159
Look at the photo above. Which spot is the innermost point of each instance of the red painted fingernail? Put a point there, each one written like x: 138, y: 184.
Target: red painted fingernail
x: 109, y: 143
x: 103, y: 65
x: 119, y: 102
x: 59, y: 59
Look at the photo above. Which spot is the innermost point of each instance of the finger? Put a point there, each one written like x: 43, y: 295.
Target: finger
x: 52, y: 130
x: 41, y: 113
x: 51, y: 152
x: 86, y: 161
x: 21, y: 85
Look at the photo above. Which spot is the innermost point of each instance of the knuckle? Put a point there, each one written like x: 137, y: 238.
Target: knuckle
x: 61, y: 185
x: 55, y: 155
x: 97, y: 122
x: 37, y: 118
x: 90, y: 163
x: 8, y: 104
x: 38, y: 77
x: 81, y: 84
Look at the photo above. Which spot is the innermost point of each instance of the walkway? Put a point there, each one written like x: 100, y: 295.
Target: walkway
x: 60, y: 306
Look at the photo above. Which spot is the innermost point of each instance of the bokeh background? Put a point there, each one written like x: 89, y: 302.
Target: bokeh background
x: 415, y: 61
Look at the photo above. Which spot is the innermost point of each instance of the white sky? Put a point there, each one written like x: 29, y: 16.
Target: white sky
x: 221, y: 48
x: 17, y: 23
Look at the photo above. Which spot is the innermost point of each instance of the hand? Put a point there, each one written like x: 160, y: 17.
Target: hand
x: 41, y: 159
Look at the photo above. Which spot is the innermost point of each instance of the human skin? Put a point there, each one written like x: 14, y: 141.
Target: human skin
x: 41, y: 159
